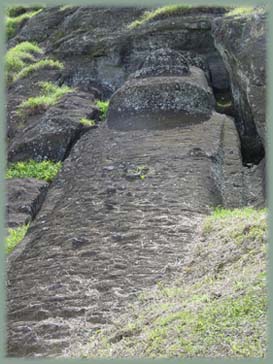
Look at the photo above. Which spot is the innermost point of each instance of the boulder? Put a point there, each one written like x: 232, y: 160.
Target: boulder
x: 52, y: 134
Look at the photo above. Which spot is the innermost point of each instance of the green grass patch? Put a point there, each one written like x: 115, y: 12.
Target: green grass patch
x: 15, y: 236
x: 16, y: 56
x: 241, y: 11
x: 168, y: 10
x: 45, y: 170
x: 103, y: 106
x: 14, y: 11
x: 88, y: 122
x: 43, y: 63
x: 66, y: 7
x: 50, y: 95
x: 13, y: 23
x: 204, y: 311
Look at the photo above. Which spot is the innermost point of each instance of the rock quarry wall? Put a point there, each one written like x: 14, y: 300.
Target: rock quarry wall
x: 132, y: 192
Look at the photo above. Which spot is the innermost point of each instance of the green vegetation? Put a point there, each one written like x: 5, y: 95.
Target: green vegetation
x: 222, y: 103
x: 14, y: 237
x: 240, y: 11
x: 45, y: 170
x: 103, y: 106
x: 50, y: 95
x: 19, y: 58
x: 13, y: 23
x: 215, y: 307
x: 87, y: 122
x: 168, y: 10
x: 14, y: 11
x: 65, y: 7
x: 43, y: 63
x: 16, y: 56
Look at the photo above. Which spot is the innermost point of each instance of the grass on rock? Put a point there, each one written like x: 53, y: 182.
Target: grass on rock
x: 168, y: 10
x: 216, y: 306
x: 50, y: 95
x: 13, y: 23
x: 88, y: 122
x: 43, y: 63
x: 17, y: 56
x: 242, y: 11
x: 14, y: 237
x: 103, y: 106
x: 45, y: 170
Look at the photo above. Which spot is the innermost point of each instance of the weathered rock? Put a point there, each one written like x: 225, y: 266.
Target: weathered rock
x: 188, y: 95
x: 24, y: 199
x: 255, y: 186
x: 52, y: 134
x: 101, y: 236
x: 241, y: 42
x: 132, y: 192
x: 163, y: 62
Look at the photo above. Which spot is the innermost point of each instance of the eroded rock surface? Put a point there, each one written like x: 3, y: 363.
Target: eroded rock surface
x: 51, y: 135
x: 241, y: 42
x: 24, y: 199
x: 102, y: 235
x: 131, y: 195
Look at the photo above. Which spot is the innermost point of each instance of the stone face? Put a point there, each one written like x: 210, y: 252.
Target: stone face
x: 24, y: 199
x: 188, y: 95
x: 103, y: 233
x: 132, y: 192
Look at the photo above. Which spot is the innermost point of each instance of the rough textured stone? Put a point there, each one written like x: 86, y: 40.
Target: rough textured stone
x: 132, y: 193
x: 255, y: 185
x: 52, y: 134
x: 188, y: 94
x: 24, y: 199
x: 163, y: 62
x: 101, y: 236
x: 241, y: 42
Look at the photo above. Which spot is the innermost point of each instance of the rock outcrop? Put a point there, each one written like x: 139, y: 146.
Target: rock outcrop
x: 241, y: 42
x: 132, y: 192
x: 24, y: 200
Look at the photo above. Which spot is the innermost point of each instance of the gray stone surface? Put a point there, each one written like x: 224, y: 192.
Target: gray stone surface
x: 24, y: 199
x: 50, y: 135
x: 130, y: 198
x: 103, y: 235
x: 188, y: 95
x: 241, y: 42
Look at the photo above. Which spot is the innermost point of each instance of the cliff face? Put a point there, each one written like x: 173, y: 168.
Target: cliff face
x: 186, y: 115
x: 242, y: 45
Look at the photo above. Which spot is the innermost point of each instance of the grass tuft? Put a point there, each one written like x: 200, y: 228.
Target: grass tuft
x: 16, y: 56
x: 168, y: 10
x: 45, y: 170
x: 43, y: 63
x: 13, y: 23
x: 50, y: 95
x: 242, y: 11
x: 103, y: 106
x: 88, y: 122
x: 15, y: 236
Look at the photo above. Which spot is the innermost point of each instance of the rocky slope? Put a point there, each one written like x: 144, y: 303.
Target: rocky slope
x: 129, y: 200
